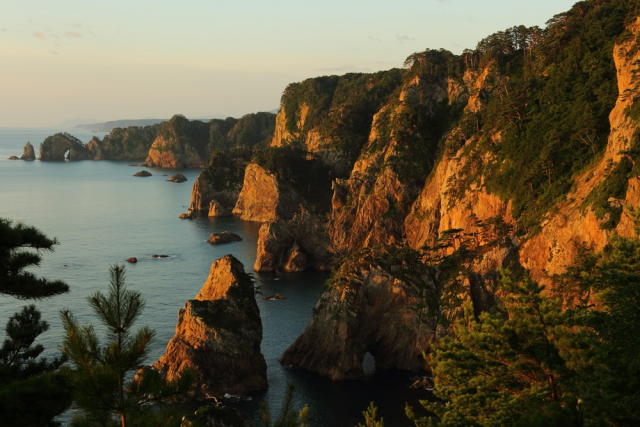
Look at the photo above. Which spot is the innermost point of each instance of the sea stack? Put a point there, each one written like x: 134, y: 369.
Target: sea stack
x: 219, y: 334
x: 28, y: 153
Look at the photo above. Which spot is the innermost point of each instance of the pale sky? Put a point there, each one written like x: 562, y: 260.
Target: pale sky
x: 115, y: 59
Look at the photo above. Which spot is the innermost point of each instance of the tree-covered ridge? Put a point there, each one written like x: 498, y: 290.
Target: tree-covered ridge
x: 552, y: 92
x: 341, y: 108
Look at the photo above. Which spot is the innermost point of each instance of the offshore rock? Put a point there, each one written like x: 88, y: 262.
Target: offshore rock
x: 177, y: 178
x: 224, y: 237
x: 143, y: 174
x: 263, y: 198
x: 13, y: 158
x: 219, y: 334
x: 54, y: 148
x: 28, y: 153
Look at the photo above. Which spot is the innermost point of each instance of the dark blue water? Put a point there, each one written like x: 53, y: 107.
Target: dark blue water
x: 102, y: 215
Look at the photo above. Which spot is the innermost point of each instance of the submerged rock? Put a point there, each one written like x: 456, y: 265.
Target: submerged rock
x: 14, y: 158
x: 159, y: 256
x: 224, y: 237
x: 28, y: 152
x: 177, y: 178
x: 219, y: 334
x: 142, y: 173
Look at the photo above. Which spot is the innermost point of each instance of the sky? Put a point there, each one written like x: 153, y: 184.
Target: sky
x: 113, y: 59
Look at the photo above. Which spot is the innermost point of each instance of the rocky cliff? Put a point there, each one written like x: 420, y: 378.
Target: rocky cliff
x: 189, y: 143
x: 294, y: 245
x: 473, y: 146
x: 131, y: 143
x: 263, y: 198
x: 57, y: 146
x: 219, y: 334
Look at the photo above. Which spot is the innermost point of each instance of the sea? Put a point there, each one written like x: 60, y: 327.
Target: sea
x: 101, y: 215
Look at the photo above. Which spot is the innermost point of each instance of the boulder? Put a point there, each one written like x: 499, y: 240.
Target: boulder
x: 218, y: 335
x: 217, y: 210
x: 142, y: 173
x: 177, y: 178
x: 28, y: 152
x: 188, y: 215
x: 224, y: 237
x: 295, y: 259
x: 132, y: 260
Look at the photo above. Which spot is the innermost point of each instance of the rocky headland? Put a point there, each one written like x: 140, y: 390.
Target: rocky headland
x: 219, y: 334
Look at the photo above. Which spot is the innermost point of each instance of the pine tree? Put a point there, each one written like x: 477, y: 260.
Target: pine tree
x: 371, y: 417
x: 508, y: 367
x: 109, y: 381
x: 287, y: 416
x: 32, y: 392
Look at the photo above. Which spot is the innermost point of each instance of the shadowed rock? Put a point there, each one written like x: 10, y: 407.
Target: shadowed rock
x: 219, y: 335
x: 224, y: 237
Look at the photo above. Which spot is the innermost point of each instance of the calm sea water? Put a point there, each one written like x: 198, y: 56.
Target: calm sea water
x: 102, y: 215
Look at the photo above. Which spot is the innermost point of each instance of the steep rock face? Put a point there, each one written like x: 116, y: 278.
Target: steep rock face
x: 54, y: 148
x: 332, y: 115
x: 294, y: 245
x: 263, y: 198
x: 219, y: 334
x: 373, y: 313
x: 131, y: 143
x: 180, y: 143
x: 204, y: 195
x: 28, y: 153
x: 369, y: 208
x: 573, y: 225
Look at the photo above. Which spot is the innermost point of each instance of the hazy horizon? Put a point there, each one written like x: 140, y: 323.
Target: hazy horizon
x: 119, y: 60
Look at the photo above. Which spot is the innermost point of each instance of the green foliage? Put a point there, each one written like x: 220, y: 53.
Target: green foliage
x: 341, y: 107
x: 102, y: 374
x: 604, y: 290
x: 214, y: 416
x: 287, y: 416
x: 20, y: 248
x: 252, y: 130
x: 307, y: 175
x: 551, y: 104
x: 371, y: 418
x: 225, y: 168
x: 508, y: 366
x: 561, y: 357
x: 123, y: 142
x: 613, y: 187
x: 32, y: 391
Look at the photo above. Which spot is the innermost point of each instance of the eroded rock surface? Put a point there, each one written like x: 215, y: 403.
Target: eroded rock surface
x: 28, y: 152
x: 219, y: 334
x: 294, y: 245
x: 55, y: 147
x: 224, y: 237
x: 264, y: 199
